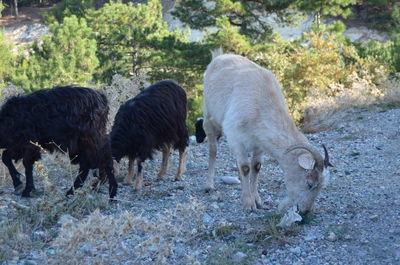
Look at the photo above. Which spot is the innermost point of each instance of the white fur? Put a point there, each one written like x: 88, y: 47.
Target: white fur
x: 245, y: 102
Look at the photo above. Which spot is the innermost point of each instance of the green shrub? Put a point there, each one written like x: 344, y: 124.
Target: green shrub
x: 66, y: 56
x: 195, y: 111
x: 6, y: 60
x: 68, y: 8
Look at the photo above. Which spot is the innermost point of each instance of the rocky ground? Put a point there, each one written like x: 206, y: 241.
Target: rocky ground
x: 356, y: 220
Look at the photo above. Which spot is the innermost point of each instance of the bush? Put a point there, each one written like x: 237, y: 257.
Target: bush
x: 195, y: 111
x: 381, y: 52
x: 6, y: 60
x: 119, y: 91
x: 68, y: 8
x: 317, y: 66
x: 66, y: 56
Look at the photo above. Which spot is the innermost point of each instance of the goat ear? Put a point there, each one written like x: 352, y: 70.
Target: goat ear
x: 306, y: 161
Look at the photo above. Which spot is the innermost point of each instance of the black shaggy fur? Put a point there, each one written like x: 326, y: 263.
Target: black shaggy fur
x: 154, y: 118
x: 67, y: 119
x: 200, y: 133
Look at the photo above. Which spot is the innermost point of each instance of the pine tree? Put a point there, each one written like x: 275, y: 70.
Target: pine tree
x: 134, y: 39
x: 66, y: 56
x: 326, y: 7
x: 245, y: 15
x: 6, y: 60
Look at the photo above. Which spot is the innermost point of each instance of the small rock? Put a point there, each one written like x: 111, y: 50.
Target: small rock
x: 365, y: 241
x: 296, y: 250
x: 238, y: 257
x: 215, y: 205
x: 206, y: 219
x: 66, y: 218
x: 39, y: 235
x: 332, y: 237
x: 373, y: 218
x: 230, y: 180
x: 86, y: 249
x: 180, y: 251
x: 310, y: 238
x: 30, y: 262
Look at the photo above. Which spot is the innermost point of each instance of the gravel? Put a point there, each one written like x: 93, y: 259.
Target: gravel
x: 356, y: 219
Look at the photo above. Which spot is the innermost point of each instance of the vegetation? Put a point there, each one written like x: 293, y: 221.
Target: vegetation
x: 6, y: 59
x: 67, y: 55
x: 91, y: 42
x: 121, y: 48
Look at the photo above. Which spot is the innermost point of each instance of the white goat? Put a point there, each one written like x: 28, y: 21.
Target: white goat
x: 245, y: 102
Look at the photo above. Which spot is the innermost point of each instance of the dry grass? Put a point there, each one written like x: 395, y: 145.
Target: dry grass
x: 120, y: 90
x: 9, y: 91
x: 29, y: 223
x: 109, y: 239
x: 87, y: 235
x: 323, y: 111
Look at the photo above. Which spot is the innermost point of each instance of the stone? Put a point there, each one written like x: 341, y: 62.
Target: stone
x: 295, y: 250
x: 374, y: 218
x: 206, y: 219
x: 238, y: 257
x: 332, y: 237
x: 30, y: 262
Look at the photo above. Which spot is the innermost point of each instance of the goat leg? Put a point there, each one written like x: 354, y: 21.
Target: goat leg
x: 15, y: 175
x: 139, y: 176
x: 166, y: 151
x: 182, y: 164
x: 80, y: 179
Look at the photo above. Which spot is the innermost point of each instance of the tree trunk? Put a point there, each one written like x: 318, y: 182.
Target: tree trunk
x: 317, y: 19
x: 16, y: 7
x: 134, y: 63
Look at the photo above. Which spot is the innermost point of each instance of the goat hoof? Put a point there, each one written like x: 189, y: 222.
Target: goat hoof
x: 18, y: 190
x: 70, y: 192
x: 250, y: 209
x: 209, y: 188
x: 112, y: 201
x: 112, y: 191
x: 26, y: 194
x: 249, y: 204
x: 259, y: 203
x: 120, y: 179
x: 138, y: 191
x: 36, y: 193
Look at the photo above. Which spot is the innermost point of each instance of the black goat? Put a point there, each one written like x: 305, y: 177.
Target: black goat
x: 153, y: 120
x: 200, y: 133
x: 67, y: 119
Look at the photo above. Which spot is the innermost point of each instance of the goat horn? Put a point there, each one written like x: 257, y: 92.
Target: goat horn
x: 319, y: 160
x: 326, y: 159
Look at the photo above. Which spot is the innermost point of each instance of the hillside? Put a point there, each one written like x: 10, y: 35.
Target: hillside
x: 30, y: 26
x: 178, y: 223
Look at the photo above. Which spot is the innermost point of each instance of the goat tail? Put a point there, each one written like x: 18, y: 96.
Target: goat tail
x: 217, y: 52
